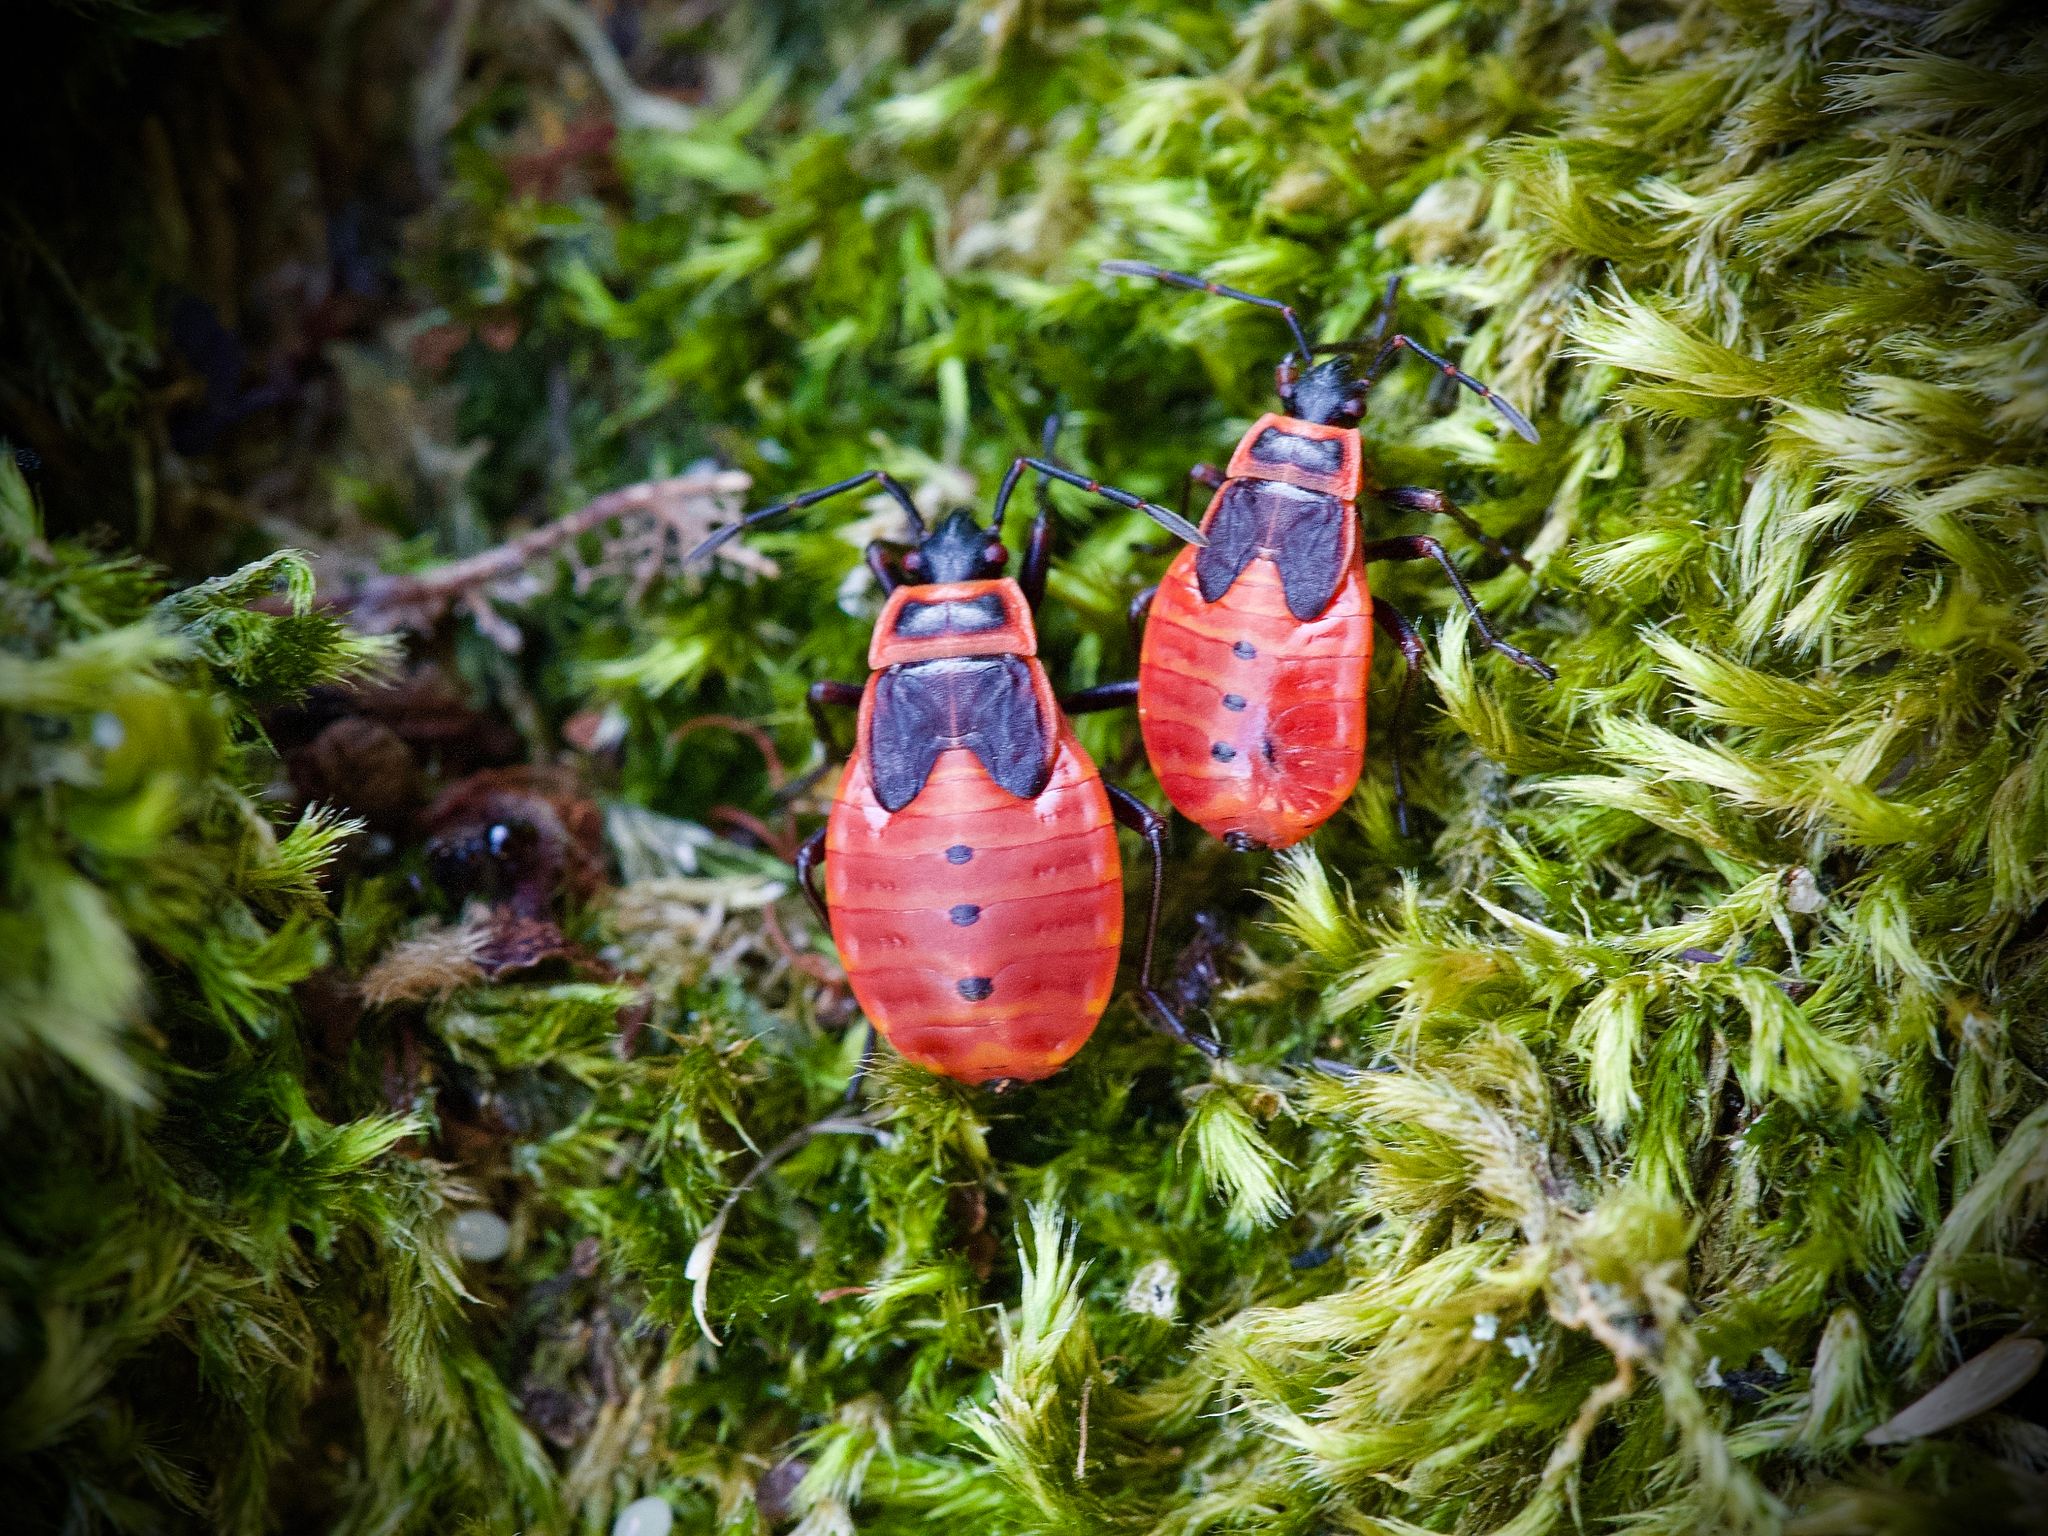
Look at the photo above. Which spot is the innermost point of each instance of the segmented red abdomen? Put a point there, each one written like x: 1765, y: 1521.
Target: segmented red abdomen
x: 1254, y: 720
x: 980, y: 931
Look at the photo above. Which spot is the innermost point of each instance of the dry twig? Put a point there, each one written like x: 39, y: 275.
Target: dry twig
x: 676, y: 510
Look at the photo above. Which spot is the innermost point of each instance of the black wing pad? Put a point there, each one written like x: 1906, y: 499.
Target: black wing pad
x: 986, y: 704
x: 1235, y: 535
x: 1312, y: 553
x: 1301, y: 532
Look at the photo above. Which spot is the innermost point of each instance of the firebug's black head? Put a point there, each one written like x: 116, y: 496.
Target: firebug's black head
x: 1327, y: 394
x: 959, y: 549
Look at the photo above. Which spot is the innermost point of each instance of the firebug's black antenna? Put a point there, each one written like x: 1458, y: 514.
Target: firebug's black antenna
x: 1387, y: 350
x: 1391, y: 353
x: 1203, y: 285
x: 811, y: 498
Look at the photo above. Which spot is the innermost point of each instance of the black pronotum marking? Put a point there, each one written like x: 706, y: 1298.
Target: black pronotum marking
x: 974, y: 988
x: 1324, y: 455
x: 966, y: 915
x: 983, y: 703
x: 966, y: 616
x: 1233, y: 702
x: 959, y: 853
x: 1301, y: 532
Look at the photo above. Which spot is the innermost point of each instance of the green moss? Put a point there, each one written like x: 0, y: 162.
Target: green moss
x: 1510, y: 1210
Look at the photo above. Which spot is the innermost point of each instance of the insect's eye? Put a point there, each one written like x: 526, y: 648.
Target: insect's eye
x: 995, y: 554
x: 1286, y: 376
x: 913, y: 561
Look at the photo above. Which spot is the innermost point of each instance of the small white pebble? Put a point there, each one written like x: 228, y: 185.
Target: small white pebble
x: 480, y: 1236
x: 107, y: 731
x: 1486, y: 1326
x: 644, y: 1517
x: 1802, y: 892
x: 1155, y: 1290
x: 1775, y: 1361
x: 611, y: 730
x: 1522, y: 1347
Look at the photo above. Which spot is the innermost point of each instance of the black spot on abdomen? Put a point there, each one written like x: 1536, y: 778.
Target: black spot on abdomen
x: 1244, y: 650
x: 966, y: 915
x: 959, y: 853
x: 1233, y: 702
x: 1222, y: 751
x: 974, y: 988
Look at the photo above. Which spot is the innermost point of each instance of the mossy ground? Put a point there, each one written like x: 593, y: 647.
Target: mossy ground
x: 1514, y: 1208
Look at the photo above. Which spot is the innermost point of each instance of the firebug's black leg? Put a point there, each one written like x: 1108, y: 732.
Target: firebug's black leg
x: 1037, y: 560
x: 1134, y: 616
x: 1166, y: 517
x: 807, y: 857
x: 1090, y: 701
x: 803, y: 783
x: 1379, y: 331
x: 1402, y: 633
x: 829, y: 695
x: 1106, y: 696
x: 1397, y: 344
x: 1422, y: 547
x: 812, y: 498
x: 1379, y: 335
x: 881, y: 557
x: 819, y: 698
x: 1417, y: 498
x: 1135, y: 814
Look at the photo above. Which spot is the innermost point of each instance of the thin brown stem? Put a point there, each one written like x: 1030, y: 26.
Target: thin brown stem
x: 419, y: 600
